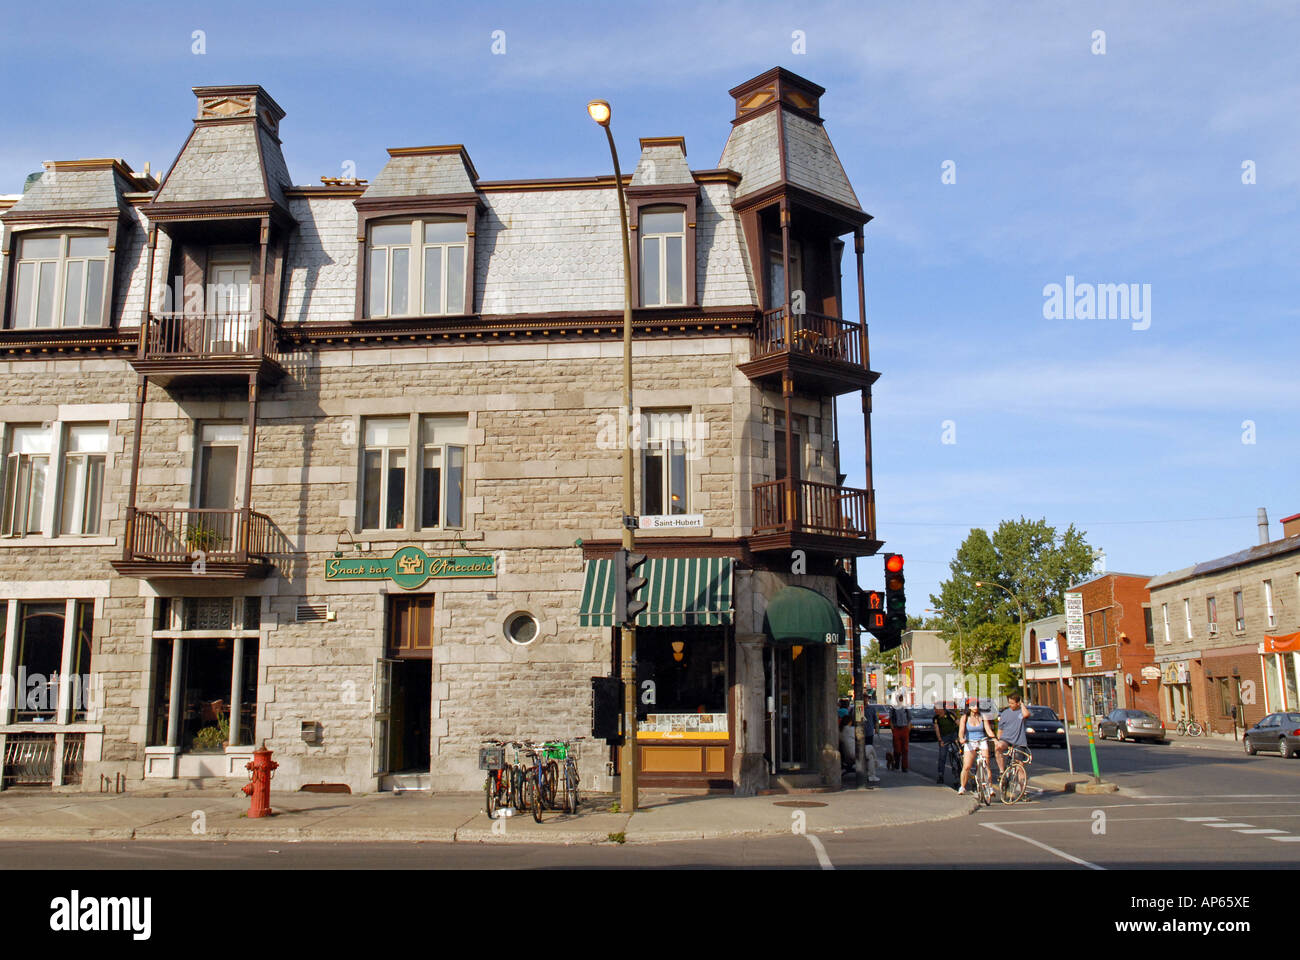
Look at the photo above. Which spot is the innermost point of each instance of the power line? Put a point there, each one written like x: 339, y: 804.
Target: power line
x: 1078, y: 523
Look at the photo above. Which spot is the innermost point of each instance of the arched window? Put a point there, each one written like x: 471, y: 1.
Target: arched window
x: 60, y: 280
x: 663, y: 256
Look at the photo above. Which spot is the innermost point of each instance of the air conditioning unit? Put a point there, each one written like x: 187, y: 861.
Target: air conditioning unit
x: 1213, y: 629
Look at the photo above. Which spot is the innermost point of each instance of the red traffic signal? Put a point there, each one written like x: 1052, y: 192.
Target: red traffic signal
x: 894, y: 563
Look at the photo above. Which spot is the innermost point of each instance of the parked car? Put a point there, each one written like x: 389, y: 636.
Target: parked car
x: 1131, y: 725
x: 1277, y: 731
x: 922, y: 723
x: 1044, y: 727
x: 882, y: 715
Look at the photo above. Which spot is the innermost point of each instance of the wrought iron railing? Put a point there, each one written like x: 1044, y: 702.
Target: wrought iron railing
x: 209, y: 336
x: 29, y: 759
x: 74, y: 753
x: 218, y: 536
x: 804, y: 506
x: 813, y: 334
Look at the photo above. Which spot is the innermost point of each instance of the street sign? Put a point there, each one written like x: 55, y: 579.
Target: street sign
x: 1047, y: 650
x: 1074, y: 621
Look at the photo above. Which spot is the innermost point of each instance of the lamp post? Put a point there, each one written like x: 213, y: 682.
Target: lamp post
x: 600, y: 112
x: 1021, y: 612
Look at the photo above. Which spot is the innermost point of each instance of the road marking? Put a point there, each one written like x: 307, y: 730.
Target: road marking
x: 824, y: 860
x: 1209, y: 796
x: 1225, y: 825
x: 1262, y: 830
x: 1286, y: 839
x: 1199, y: 819
x: 1060, y: 853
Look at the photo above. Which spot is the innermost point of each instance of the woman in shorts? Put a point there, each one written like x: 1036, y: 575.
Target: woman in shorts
x: 974, y: 734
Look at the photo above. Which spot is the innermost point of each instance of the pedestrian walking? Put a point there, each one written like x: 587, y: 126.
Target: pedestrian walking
x: 900, y: 720
x: 945, y: 732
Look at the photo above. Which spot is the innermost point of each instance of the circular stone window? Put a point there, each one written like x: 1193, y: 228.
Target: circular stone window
x: 521, y: 628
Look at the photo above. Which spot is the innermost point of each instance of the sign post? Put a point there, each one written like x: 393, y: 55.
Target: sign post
x: 1092, y: 749
x: 1060, y: 686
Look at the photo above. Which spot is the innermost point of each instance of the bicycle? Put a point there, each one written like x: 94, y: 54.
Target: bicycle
x: 535, y: 781
x: 1015, y: 778
x: 1190, y: 728
x: 566, y: 751
x: 983, y: 778
x: 952, y: 763
x: 496, y: 789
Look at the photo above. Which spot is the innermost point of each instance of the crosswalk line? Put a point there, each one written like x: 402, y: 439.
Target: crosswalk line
x: 1199, y: 819
x: 1226, y: 825
x: 1262, y: 830
x: 1286, y: 839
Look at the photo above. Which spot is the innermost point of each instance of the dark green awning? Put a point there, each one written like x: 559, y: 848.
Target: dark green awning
x: 797, y: 615
x: 681, y: 592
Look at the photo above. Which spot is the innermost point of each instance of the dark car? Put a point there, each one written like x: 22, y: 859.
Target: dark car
x: 882, y: 715
x: 1131, y: 725
x: 1044, y: 728
x: 922, y: 723
x: 1277, y: 731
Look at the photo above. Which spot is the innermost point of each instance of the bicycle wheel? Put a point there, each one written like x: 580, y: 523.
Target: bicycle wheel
x: 954, y: 767
x: 538, y: 784
x: 1194, y: 728
x: 491, y: 801
x: 517, y: 781
x: 1012, y: 783
x: 571, y: 787
x: 551, y: 781
x: 985, y: 785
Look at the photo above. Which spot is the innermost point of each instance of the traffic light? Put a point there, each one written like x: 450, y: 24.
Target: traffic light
x: 873, y: 610
x: 626, y: 586
x: 895, y: 600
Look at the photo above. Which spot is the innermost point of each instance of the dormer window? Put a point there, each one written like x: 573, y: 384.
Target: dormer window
x: 416, y: 267
x: 60, y: 280
x: 663, y: 256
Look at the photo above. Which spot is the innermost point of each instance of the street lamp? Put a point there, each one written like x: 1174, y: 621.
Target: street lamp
x: 600, y: 112
x: 1021, y: 612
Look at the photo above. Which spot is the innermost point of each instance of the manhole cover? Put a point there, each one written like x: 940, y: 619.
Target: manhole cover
x: 798, y: 803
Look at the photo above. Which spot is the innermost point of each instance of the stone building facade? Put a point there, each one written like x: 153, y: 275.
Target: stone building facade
x: 1227, y: 633
x: 336, y: 467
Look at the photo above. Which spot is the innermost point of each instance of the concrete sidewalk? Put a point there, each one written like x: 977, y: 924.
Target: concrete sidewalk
x: 219, y: 814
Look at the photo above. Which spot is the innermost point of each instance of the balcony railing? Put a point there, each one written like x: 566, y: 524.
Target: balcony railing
x: 811, y: 334
x: 209, y: 336
x: 803, y: 506
x: 179, y: 536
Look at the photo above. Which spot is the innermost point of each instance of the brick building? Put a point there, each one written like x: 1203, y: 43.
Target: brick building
x: 337, y: 467
x: 1107, y: 672
x: 1226, y: 631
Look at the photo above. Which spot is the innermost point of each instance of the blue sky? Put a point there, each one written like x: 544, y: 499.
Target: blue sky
x: 1122, y: 167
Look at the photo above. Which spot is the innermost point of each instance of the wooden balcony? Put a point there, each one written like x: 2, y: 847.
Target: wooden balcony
x: 824, y: 355
x: 819, y: 517
x: 209, y: 348
x: 184, y: 544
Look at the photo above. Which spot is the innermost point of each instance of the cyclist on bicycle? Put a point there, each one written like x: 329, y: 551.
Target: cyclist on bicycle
x: 1011, y: 729
x: 945, y: 732
x: 974, y: 734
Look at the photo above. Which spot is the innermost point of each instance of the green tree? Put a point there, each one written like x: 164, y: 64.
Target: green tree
x: 1027, y: 557
x: 843, y: 684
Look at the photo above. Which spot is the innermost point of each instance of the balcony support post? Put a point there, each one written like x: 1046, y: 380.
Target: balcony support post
x: 785, y: 272
x: 245, y: 514
x: 859, y: 246
x: 148, y: 294
x: 787, y: 394
x: 128, y: 541
x: 871, y: 487
x: 259, y: 311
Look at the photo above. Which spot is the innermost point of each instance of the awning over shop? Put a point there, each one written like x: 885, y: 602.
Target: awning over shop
x: 681, y: 592
x: 797, y: 615
x: 1286, y: 642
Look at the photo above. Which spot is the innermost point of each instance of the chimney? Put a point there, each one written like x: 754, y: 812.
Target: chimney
x: 1291, y: 526
x: 1261, y: 518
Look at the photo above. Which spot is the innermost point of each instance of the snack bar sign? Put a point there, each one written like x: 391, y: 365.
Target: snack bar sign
x: 409, y: 568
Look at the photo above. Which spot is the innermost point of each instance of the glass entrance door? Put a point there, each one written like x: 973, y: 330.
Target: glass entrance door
x: 789, y: 703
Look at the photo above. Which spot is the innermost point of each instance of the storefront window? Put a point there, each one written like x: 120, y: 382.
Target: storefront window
x: 162, y: 692
x: 40, y: 655
x: 688, y: 670
x: 1289, y: 673
x: 207, y: 674
x: 1272, y: 684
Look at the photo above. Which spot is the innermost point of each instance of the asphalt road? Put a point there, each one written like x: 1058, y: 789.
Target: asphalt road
x: 1182, y: 807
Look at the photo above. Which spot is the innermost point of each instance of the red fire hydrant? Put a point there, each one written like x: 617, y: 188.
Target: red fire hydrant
x: 260, y: 770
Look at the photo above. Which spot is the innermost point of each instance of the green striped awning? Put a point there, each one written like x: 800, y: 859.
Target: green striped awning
x: 681, y: 592
x: 797, y: 615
